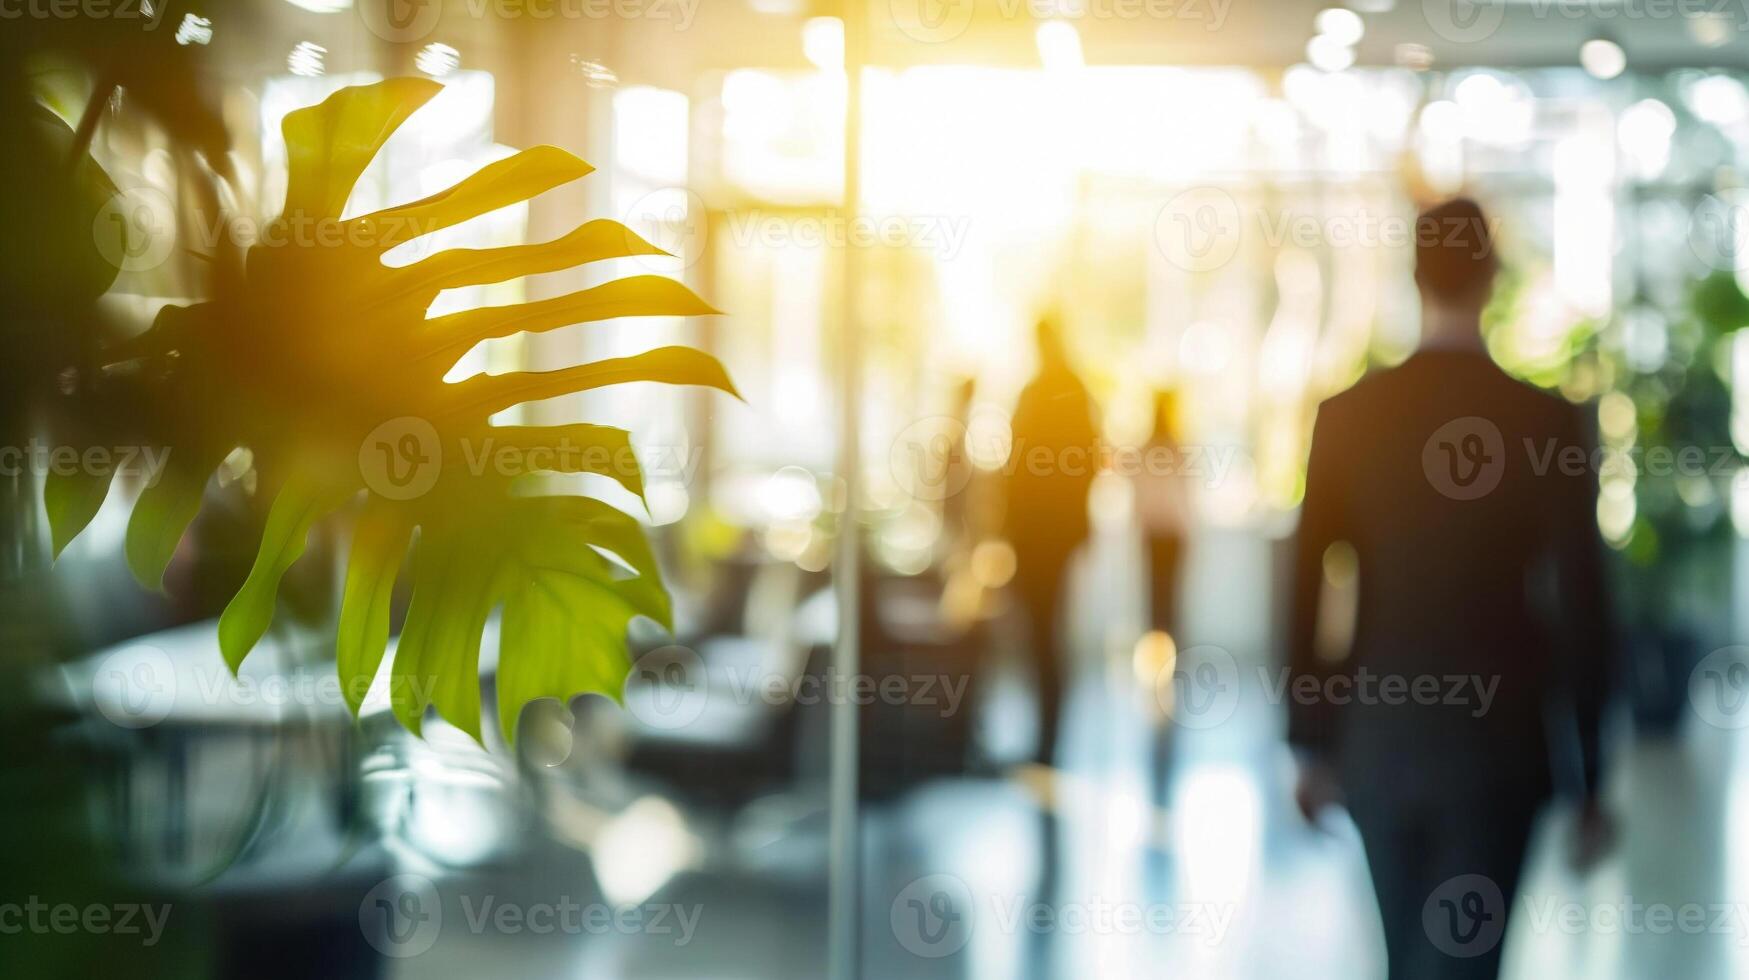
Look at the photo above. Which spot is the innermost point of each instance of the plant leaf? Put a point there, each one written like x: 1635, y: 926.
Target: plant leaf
x: 72, y: 500
x: 508, y: 181
x: 379, y: 542
x: 315, y: 343
x: 163, y: 513
x: 299, y: 505
x: 437, y: 661
x: 575, y: 448
x: 328, y: 145
x: 615, y: 531
x: 559, y: 638
x: 490, y: 394
x: 590, y: 242
x: 452, y: 335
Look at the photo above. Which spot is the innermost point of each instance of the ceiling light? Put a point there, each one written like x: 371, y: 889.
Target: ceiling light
x: 1327, y: 54
x: 1340, y: 24
x: 1602, y: 58
x: 1059, y: 45
x: 306, y: 59
x: 437, y: 60
x: 194, y: 29
x: 1414, y: 55
x: 1711, y: 30
x: 823, y: 42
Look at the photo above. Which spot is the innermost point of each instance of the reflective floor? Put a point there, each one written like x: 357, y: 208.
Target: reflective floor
x: 1211, y: 875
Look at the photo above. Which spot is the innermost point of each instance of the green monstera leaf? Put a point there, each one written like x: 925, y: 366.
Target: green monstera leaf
x: 322, y: 363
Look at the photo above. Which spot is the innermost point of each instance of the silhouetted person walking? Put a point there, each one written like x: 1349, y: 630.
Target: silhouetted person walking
x: 1163, y: 511
x: 1480, y: 637
x: 1045, y: 518
x: 1162, y: 502
x: 1053, y: 461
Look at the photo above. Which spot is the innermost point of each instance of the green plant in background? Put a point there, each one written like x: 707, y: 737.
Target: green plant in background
x: 320, y: 362
x: 1683, y: 405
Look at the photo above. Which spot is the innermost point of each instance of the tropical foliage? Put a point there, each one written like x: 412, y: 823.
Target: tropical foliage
x: 321, y: 363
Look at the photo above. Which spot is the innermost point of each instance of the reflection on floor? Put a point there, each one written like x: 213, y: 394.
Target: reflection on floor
x: 1215, y: 876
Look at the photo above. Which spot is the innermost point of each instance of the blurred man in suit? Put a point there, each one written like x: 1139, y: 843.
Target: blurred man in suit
x: 1479, y: 641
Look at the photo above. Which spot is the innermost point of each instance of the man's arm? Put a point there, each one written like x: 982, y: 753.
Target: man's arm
x: 1311, y: 726
x: 1588, y: 661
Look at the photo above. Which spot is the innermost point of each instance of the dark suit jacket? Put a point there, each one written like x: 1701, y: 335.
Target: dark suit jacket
x: 1474, y: 523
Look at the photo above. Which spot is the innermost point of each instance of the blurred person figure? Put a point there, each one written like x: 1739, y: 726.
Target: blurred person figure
x: 1054, y: 458
x: 1163, y: 511
x: 1163, y: 515
x: 1479, y: 565
x: 1045, y: 518
x: 957, y: 512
